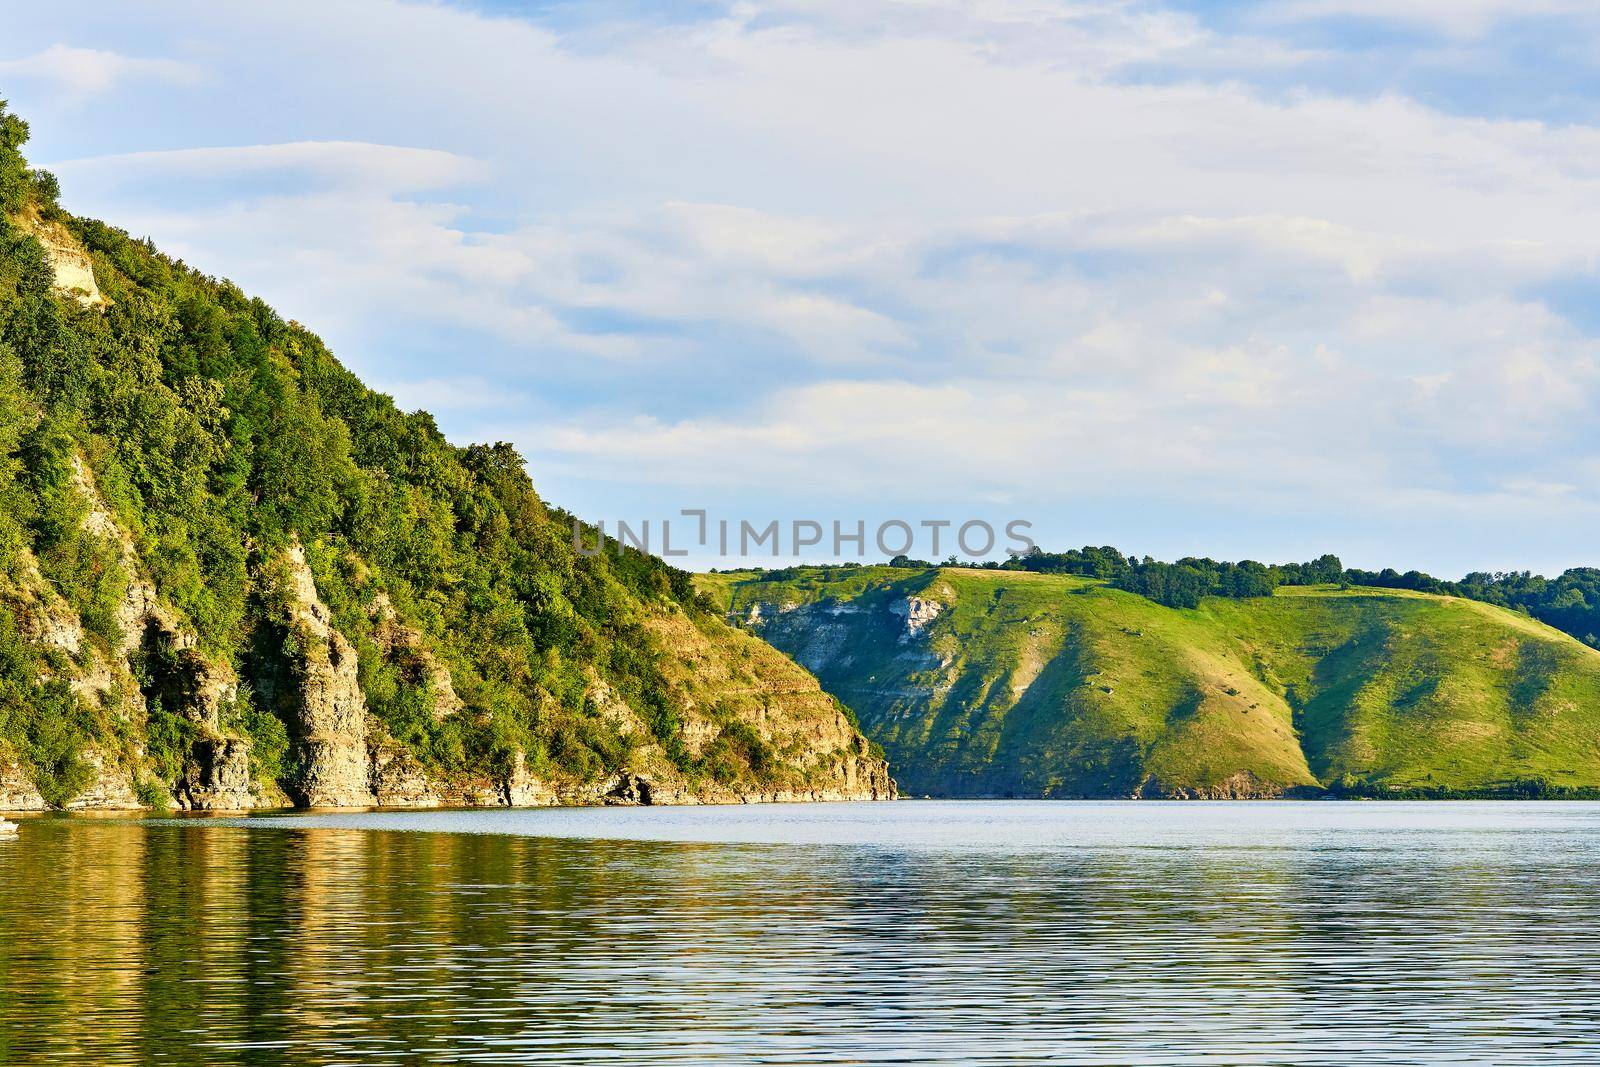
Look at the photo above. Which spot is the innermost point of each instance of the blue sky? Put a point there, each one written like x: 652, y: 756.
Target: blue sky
x: 1240, y: 279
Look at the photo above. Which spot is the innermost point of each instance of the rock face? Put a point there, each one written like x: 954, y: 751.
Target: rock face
x: 523, y: 790
x: 746, y: 704
x: 917, y: 613
x: 752, y: 689
x: 331, y: 731
x: 201, y: 685
x: 17, y: 791
x: 47, y: 619
x: 396, y: 640
x: 817, y: 635
x: 1241, y: 786
x: 398, y: 781
x: 110, y: 787
x: 72, y: 267
x: 74, y: 274
x: 218, y: 777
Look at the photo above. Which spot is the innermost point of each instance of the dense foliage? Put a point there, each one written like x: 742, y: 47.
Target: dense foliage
x: 1180, y: 584
x: 219, y: 433
x: 1570, y: 602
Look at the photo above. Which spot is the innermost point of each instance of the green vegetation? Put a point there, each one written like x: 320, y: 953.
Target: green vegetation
x: 1011, y: 682
x: 1570, y: 602
x: 219, y: 434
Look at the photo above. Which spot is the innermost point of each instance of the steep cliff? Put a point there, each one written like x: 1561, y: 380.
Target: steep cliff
x: 326, y: 710
x: 235, y: 577
x: 981, y: 682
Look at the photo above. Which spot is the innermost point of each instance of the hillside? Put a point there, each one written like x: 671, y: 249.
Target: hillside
x: 983, y: 682
x: 233, y: 576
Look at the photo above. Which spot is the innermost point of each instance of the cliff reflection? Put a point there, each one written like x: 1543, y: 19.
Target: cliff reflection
x: 197, y: 943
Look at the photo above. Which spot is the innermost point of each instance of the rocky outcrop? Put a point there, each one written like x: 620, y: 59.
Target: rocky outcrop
x: 71, y: 266
x: 825, y: 637
x: 743, y: 686
x: 602, y: 701
x: 218, y: 777
x: 17, y: 791
x: 818, y: 634
x: 46, y: 618
x: 110, y: 786
x: 217, y: 774
x: 202, y: 685
x: 43, y: 616
x: 523, y: 790
x: 917, y: 613
x: 398, y: 780
x: 859, y: 776
x: 330, y: 731
x: 405, y: 644
x: 140, y: 604
x: 631, y: 789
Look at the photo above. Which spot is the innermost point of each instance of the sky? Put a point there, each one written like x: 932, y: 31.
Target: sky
x: 1248, y: 280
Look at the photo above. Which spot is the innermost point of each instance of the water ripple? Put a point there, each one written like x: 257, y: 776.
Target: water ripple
x: 989, y: 933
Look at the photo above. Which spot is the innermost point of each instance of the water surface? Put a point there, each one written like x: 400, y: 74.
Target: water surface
x: 954, y: 932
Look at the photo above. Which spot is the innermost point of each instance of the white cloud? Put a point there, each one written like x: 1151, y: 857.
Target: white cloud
x: 85, y: 72
x: 1456, y: 18
x: 1308, y: 379
x: 938, y: 246
x: 471, y: 393
x: 381, y: 168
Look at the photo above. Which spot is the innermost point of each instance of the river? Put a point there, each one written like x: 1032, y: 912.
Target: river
x: 914, y: 932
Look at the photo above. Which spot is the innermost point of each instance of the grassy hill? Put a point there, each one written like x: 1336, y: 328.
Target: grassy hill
x: 981, y: 682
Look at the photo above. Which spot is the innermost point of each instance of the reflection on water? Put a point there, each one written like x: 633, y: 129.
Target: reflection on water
x: 1096, y: 933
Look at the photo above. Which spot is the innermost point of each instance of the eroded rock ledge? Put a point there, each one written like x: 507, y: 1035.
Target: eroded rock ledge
x: 342, y: 756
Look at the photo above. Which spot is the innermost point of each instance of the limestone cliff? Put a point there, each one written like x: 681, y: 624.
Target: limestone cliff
x: 17, y: 791
x: 739, y: 700
x: 740, y: 688
x: 153, y: 655
x: 330, y: 724
x: 71, y: 268
x: 758, y: 724
x: 407, y: 645
x: 232, y: 576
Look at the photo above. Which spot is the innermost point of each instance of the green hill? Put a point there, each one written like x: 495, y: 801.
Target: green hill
x: 231, y: 576
x: 984, y: 682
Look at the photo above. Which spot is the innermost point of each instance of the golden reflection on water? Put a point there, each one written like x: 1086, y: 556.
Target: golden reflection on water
x: 198, y: 943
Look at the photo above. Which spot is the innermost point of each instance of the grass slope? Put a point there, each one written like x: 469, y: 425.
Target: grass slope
x: 1040, y: 685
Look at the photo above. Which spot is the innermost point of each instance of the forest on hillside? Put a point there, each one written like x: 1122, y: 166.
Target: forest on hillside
x: 1570, y: 602
x: 218, y: 433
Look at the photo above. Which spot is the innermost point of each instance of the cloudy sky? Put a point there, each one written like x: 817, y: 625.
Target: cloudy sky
x: 1251, y: 279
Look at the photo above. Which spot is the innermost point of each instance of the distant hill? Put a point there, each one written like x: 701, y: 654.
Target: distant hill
x: 233, y: 576
x: 995, y: 682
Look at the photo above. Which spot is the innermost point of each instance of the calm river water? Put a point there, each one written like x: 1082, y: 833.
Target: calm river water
x: 948, y: 932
